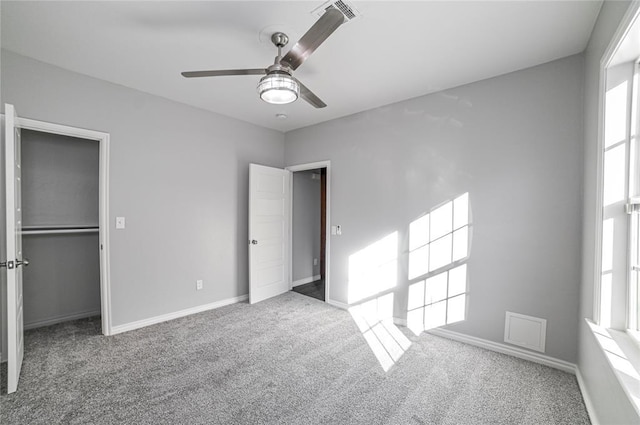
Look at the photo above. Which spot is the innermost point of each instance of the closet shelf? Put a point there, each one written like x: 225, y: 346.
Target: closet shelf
x: 58, y: 230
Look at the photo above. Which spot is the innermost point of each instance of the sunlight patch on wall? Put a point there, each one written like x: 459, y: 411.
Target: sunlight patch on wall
x: 374, y: 318
x: 615, y: 126
x: 615, y: 161
x: 439, y: 238
x: 437, y: 301
x: 374, y: 269
x: 615, y: 155
x: 606, y: 279
x: 438, y: 246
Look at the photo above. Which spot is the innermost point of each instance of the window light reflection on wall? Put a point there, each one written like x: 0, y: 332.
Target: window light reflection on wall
x: 438, y: 246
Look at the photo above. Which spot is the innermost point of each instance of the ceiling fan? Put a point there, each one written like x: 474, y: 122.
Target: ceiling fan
x: 279, y: 86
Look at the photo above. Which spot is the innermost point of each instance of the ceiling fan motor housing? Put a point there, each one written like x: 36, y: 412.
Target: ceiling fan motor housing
x: 280, y: 39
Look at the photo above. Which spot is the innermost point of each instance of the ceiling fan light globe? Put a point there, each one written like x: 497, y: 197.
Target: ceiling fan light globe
x: 278, y: 97
x: 278, y: 89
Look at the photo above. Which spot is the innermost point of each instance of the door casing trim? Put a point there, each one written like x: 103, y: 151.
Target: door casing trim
x: 103, y: 208
x: 327, y: 252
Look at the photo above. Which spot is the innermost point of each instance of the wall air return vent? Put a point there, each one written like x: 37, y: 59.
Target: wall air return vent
x: 525, y: 331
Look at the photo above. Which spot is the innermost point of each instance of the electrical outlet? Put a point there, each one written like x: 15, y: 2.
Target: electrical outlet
x: 198, y: 285
x: 315, y: 261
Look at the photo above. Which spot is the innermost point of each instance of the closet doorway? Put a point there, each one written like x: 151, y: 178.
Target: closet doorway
x: 57, y: 216
x: 309, y: 225
x: 60, y: 227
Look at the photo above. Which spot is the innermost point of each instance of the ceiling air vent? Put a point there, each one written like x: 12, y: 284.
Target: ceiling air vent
x: 348, y: 10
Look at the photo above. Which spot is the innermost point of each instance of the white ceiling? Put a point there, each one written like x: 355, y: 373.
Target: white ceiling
x: 394, y: 51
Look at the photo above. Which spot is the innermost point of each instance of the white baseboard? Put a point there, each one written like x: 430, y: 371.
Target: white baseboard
x: 305, y: 280
x: 505, y: 349
x: 338, y: 304
x: 60, y: 319
x: 400, y: 322
x: 170, y: 316
x: 587, y: 399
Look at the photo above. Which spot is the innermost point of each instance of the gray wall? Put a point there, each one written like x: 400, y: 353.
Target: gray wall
x: 178, y: 174
x: 306, y: 225
x: 608, y: 398
x: 59, y: 180
x: 514, y: 143
x: 63, y: 278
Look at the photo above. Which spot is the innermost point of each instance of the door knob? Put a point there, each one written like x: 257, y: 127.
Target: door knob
x: 24, y: 262
x: 254, y: 242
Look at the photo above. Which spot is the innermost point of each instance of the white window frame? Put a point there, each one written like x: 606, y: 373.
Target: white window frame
x: 614, y: 210
x: 633, y: 209
x: 612, y: 340
x: 632, y: 206
x: 633, y: 279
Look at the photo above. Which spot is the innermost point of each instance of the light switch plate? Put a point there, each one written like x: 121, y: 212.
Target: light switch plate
x: 120, y: 223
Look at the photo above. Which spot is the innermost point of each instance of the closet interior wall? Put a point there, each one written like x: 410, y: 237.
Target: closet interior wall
x: 60, y: 202
x: 306, y: 223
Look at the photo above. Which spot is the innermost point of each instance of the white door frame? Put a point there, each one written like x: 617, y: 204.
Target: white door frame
x: 103, y: 211
x: 305, y: 167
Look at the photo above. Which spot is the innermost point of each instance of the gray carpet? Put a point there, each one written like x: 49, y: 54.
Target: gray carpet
x: 288, y: 360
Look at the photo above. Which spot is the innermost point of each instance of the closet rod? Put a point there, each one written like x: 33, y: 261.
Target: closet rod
x: 60, y: 226
x: 58, y: 231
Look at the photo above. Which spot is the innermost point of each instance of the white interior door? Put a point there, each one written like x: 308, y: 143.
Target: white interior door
x: 268, y: 232
x: 15, y: 324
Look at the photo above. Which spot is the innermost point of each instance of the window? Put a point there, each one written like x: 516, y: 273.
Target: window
x: 616, y: 300
x: 633, y: 209
x: 620, y: 249
x: 634, y: 272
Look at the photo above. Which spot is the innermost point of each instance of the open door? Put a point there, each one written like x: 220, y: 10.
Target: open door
x: 268, y: 232
x: 15, y: 324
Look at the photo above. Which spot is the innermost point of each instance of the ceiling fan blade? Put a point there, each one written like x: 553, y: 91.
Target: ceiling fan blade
x: 223, y: 72
x: 317, y: 34
x: 310, y: 97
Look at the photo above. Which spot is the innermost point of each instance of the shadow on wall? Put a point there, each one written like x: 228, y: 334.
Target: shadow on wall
x: 438, y: 249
